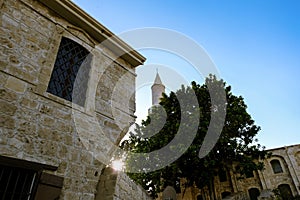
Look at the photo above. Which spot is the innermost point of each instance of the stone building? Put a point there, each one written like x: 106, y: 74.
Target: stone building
x: 282, y: 172
x: 56, y: 138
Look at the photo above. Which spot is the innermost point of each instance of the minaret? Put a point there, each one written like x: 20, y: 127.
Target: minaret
x: 157, y: 89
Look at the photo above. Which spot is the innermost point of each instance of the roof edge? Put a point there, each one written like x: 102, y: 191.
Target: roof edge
x: 283, y: 147
x: 75, y: 15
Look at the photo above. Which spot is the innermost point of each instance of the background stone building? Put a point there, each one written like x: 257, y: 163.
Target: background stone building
x: 282, y: 172
x: 50, y: 147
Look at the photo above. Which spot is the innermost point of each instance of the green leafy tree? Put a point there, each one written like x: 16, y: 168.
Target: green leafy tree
x: 236, y: 144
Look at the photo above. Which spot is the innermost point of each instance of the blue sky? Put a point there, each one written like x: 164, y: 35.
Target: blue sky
x: 254, y: 44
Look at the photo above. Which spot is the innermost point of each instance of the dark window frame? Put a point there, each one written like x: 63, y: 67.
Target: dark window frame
x: 24, y: 166
x: 17, y: 183
x: 71, y: 58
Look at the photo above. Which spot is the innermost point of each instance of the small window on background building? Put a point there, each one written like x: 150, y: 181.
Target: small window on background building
x: 222, y: 175
x: 70, y: 58
x: 276, y: 166
x: 249, y: 174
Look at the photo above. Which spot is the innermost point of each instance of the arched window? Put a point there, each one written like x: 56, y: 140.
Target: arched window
x: 253, y: 193
x: 285, y: 191
x: 70, y: 58
x: 276, y: 166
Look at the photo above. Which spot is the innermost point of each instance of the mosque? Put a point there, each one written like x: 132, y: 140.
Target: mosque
x: 55, y: 145
x: 282, y: 172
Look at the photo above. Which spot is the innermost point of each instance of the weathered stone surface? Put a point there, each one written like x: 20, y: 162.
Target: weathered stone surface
x: 7, y: 121
x: 117, y: 185
x: 40, y: 127
x: 16, y: 84
x: 7, y: 108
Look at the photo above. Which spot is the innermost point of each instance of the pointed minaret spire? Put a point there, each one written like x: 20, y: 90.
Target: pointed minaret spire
x: 157, y: 79
x: 157, y: 89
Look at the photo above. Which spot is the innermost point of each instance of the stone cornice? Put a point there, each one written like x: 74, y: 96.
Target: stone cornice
x: 75, y: 15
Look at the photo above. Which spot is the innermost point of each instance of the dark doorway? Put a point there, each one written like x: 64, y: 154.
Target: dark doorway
x: 285, y: 191
x: 253, y: 193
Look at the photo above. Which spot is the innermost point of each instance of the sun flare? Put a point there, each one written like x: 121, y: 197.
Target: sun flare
x: 117, y: 165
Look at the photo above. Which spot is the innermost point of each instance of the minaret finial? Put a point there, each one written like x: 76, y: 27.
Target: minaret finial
x: 157, y: 89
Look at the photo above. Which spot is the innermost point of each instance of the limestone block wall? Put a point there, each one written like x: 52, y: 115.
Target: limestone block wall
x: 41, y: 127
x: 264, y: 181
x: 116, y: 185
x: 243, y: 185
x: 289, y: 161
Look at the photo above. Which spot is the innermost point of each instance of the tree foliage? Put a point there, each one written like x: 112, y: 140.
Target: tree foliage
x: 236, y: 145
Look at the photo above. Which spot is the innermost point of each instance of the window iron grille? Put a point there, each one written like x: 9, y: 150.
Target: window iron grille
x: 16, y: 183
x: 71, y: 58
